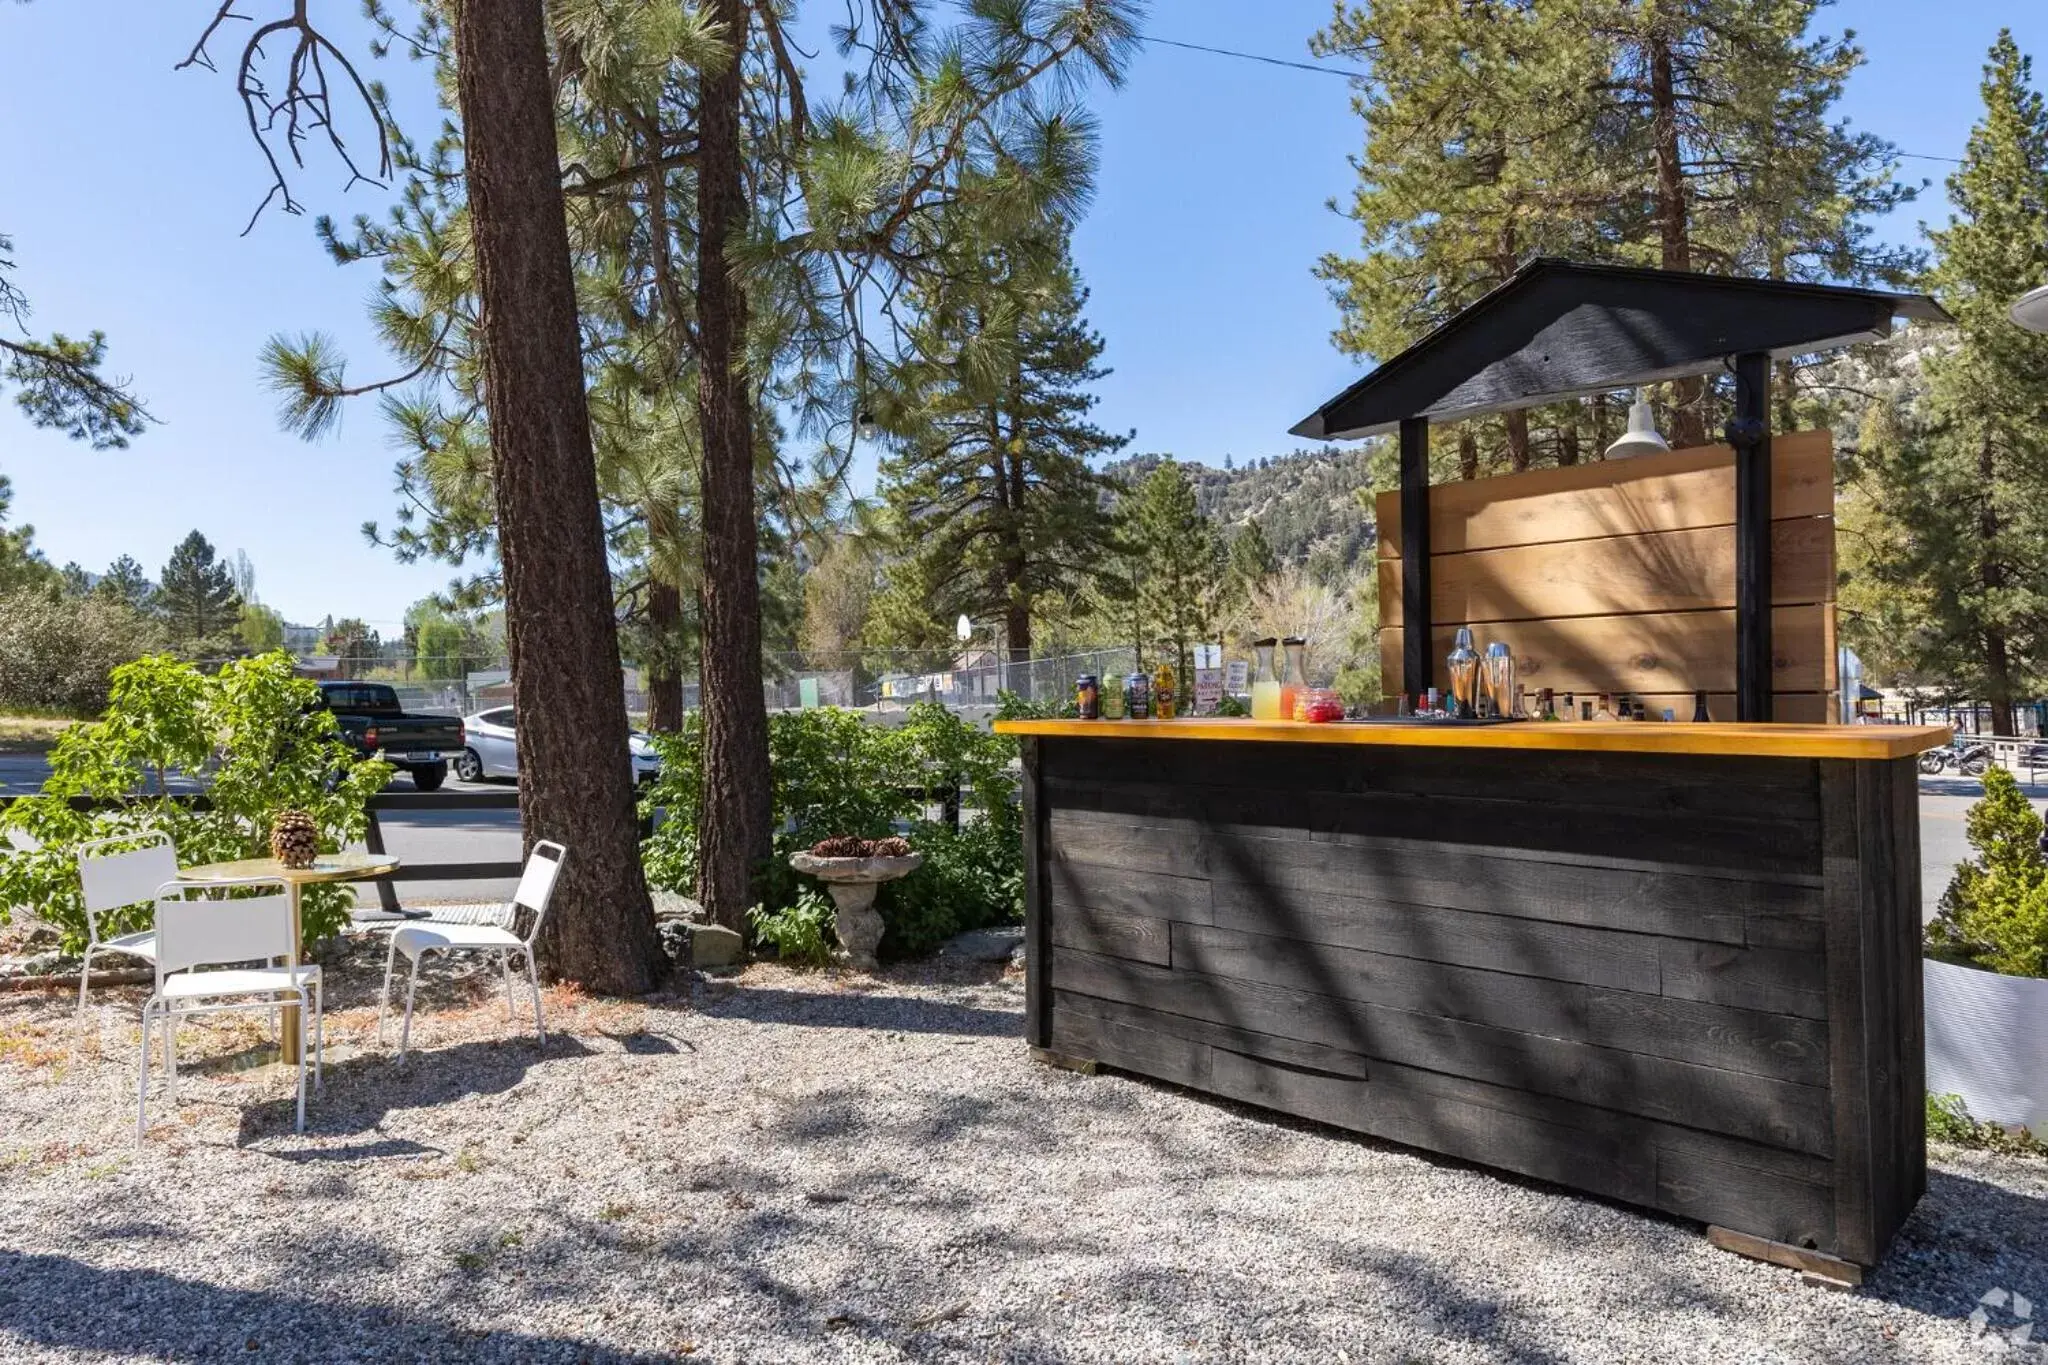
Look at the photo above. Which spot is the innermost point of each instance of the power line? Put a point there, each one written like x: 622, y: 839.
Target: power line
x: 1354, y: 73
x: 1345, y: 71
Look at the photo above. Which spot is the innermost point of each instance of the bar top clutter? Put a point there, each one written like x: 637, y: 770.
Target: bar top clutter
x: 1761, y: 740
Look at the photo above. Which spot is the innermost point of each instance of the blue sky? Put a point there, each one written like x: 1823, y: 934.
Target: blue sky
x: 125, y: 185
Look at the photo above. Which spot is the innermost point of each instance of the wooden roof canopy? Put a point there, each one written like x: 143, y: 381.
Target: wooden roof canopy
x: 1562, y: 329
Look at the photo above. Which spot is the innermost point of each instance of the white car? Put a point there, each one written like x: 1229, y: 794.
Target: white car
x: 492, y: 750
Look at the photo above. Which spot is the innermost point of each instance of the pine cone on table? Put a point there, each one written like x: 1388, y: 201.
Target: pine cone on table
x: 294, y: 838
x: 891, y: 847
x: 840, y: 846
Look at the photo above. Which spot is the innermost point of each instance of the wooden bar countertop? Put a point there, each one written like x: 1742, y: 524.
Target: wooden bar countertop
x: 1632, y: 737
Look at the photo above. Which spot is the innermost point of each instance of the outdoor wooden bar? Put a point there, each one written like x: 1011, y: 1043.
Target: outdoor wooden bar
x: 1674, y: 965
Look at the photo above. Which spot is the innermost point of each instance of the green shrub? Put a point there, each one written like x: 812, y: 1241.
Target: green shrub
x: 1995, y: 911
x: 57, y: 653
x: 800, y: 934
x: 255, y: 732
x: 1948, y: 1120
x: 832, y: 773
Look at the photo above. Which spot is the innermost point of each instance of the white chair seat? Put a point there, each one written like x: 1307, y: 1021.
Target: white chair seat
x: 140, y: 944
x: 415, y: 939
x: 237, y: 981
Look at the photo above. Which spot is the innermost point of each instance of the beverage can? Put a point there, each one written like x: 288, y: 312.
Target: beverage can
x: 1138, y: 696
x: 1088, y: 697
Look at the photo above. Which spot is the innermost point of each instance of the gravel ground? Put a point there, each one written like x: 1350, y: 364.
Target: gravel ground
x: 792, y: 1167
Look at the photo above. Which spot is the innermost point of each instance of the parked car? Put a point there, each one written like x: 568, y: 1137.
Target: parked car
x: 493, y: 751
x: 375, y: 723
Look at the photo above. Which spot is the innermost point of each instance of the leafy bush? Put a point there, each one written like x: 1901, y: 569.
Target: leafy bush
x: 254, y: 731
x: 1949, y: 1120
x: 801, y: 934
x: 834, y: 773
x: 58, y: 653
x: 1995, y: 911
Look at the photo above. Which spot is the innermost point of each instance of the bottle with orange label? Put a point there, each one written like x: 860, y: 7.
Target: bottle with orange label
x: 1164, y: 698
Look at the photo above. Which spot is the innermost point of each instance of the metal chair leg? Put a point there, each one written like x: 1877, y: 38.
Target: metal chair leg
x: 84, y: 975
x: 300, y: 1127
x: 170, y: 1023
x: 505, y: 966
x: 142, y: 1082
x: 384, y: 1002
x: 411, y: 984
x: 319, y: 1035
x: 533, y: 980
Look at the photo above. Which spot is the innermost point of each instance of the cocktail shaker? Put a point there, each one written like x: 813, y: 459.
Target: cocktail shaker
x: 1463, y: 664
x: 1500, y: 680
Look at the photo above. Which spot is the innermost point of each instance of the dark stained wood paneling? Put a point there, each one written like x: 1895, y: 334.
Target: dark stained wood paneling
x: 1247, y: 1042
x: 1120, y: 891
x: 1772, y: 979
x: 1037, y: 910
x: 1474, y: 1132
x: 1628, y: 973
x: 1528, y: 947
x: 1136, y: 937
x: 1753, y: 1107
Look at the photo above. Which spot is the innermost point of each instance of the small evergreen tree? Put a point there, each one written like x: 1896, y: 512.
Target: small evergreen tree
x: 1177, y: 560
x: 197, y: 597
x: 124, y: 581
x: 1995, y: 912
x: 992, y: 500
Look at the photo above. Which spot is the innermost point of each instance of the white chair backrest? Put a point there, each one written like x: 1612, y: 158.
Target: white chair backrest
x: 537, y: 883
x: 199, y: 925
x: 122, y: 871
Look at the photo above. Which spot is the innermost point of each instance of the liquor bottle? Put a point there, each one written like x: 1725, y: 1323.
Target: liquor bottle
x: 1165, y: 699
x: 1546, y: 705
x: 1605, y: 710
x: 1570, y: 709
x: 1699, y: 706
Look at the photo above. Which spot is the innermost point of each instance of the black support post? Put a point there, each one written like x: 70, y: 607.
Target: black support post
x: 1416, y: 627
x: 1750, y: 434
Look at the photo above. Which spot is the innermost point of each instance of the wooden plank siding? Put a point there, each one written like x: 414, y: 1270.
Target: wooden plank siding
x: 1622, y: 973
x: 1621, y: 577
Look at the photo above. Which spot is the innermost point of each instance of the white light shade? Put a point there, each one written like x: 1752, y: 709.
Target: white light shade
x: 963, y: 628
x: 1641, y: 438
x: 2030, y: 310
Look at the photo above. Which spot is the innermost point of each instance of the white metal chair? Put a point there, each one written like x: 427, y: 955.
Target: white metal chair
x: 224, y: 925
x: 484, y: 929
x: 113, y: 881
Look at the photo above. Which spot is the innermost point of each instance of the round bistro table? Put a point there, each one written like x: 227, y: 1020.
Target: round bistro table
x: 328, y: 867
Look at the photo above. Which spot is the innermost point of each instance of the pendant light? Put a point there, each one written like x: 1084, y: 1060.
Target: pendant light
x: 1641, y: 438
x: 2030, y: 310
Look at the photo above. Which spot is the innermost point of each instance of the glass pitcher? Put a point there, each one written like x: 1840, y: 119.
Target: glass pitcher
x: 1293, y: 674
x: 1265, y: 687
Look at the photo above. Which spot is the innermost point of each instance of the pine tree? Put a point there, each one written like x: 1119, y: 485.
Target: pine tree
x: 1962, y: 486
x: 60, y: 382
x: 992, y: 498
x: 1177, y: 562
x: 22, y: 565
x: 196, y: 598
x: 124, y: 581
x: 1685, y: 134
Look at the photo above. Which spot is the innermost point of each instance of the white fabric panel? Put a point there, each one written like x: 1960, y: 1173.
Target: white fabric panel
x: 193, y: 933
x: 129, y: 877
x: 1987, y: 1041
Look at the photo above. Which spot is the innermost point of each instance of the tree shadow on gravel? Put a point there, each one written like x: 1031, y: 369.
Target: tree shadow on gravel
x: 880, y: 1012
x: 58, y: 1303
x: 1967, y: 1236
x: 363, y: 1090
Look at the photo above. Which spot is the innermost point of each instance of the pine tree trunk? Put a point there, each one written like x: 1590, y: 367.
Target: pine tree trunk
x: 734, y: 832
x: 1468, y: 454
x: 1688, y: 422
x: 574, y: 783
x: 1518, y: 439
x: 1568, y: 440
x: 664, y: 671
x: 1998, y: 679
